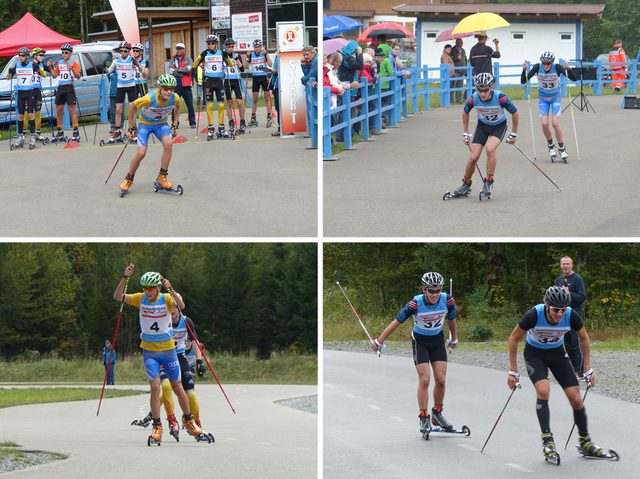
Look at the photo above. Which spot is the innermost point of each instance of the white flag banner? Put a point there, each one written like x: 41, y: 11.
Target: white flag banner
x: 126, y: 13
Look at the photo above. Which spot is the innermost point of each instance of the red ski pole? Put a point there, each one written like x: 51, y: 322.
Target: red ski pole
x: 202, y: 352
x: 114, y: 166
x: 113, y: 344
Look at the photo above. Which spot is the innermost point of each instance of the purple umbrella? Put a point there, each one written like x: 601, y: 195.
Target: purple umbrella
x: 333, y: 45
x: 447, y: 37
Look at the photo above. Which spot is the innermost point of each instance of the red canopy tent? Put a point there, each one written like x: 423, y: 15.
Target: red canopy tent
x: 30, y: 32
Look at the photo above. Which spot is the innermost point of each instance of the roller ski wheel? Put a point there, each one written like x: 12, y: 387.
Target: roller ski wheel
x: 564, y: 157
x: 609, y: 456
x: 448, y: 195
x: 174, y: 430
x: 269, y: 123
x: 152, y: 441
x: 553, y: 458
x: 102, y: 143
x: 425, y: 427
x: 178, y: 189
x: 553, y: 155
x: 141, y: 423
x: 465, y: 431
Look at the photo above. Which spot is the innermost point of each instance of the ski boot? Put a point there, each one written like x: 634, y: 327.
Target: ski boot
x: 462, y: 191
x: 232, y: 126
x: 487, y: 187
x: 174, y: 428
x: 193, y: 429
x: 243, y: 127
x: 41, y: 138
x: 32, y: 141
x: 552, y: 152
x: 156, y: 437
x: 126, y: 184
x: 208, y: 434
x: 437, y: 419
x: 563, y: 154
x: 425, y: 426
x: 60, y: 135
x: 19, y: 143
x: 144, y: 422
x: 589, y: 450
x: 222, y: 133
x: 75, y: 136
x: 211, y: 133
x: 253, y: 121
x: 549, y: 449
x: 269, y: 120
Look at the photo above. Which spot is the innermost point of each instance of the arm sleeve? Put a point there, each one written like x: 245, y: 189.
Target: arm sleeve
x: 451, y: 308
x: 192, y: 329
x: 198, y: 60
x: 111, y: 68
x: 561, y: 70
x: 408, y: 311
x: 528, y: 76
x: 529, y: 320
x: 506, y: 103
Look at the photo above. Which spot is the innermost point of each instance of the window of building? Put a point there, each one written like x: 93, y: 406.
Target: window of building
x: 430, y: 36
x: 517, y: 37
x: 566, y: 37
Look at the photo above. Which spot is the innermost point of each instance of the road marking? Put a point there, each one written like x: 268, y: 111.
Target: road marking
x: 329, y: 386
x: 351, y: 396
x: 398, y: 418
x: 264, y: 443
x: 467, y: 447
x: 519, y: 467
x: 371, y: 406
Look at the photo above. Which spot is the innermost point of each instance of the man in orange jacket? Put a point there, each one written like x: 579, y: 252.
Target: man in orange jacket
x: 617, y: 55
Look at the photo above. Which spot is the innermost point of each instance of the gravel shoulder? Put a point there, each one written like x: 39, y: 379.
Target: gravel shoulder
x: 617, y: 373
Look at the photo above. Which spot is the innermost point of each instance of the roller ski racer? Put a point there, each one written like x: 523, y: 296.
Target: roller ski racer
x: 261, y: 64
x: 492, y: 107
x: 549, y: 98
x: 232, y: 70
x: 67, y: 69
x: 155, y: 109
x: 545, y: 326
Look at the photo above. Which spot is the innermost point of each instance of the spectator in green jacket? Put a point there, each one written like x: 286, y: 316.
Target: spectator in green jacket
x: 386, y: 70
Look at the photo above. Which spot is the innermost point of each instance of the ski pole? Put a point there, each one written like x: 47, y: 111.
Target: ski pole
x: 202, y: 352
x: 113, y: 344
x: 575, y: 132
x: 114, y: 166
x: 574, y: 423
x: 354, y: 312
x: 477, y: 167
x: 536, y: 166
x: 533, y: 138
x: 48, y: 113
x: 505, y: 407
x: 198, y: 124
x: 81, y: 120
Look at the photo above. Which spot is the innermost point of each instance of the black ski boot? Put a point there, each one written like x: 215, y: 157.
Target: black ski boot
x: 437, y: 419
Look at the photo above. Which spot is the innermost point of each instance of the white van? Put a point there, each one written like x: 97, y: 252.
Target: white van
x: 89, y: 56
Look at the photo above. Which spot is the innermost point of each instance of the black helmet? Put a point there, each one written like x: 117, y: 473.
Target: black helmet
x: 229, y: 41
x: 67, y: 47
x: 547, y: 57
x: 557, y: 297
x: 484, y: 79
x: 430, y: 280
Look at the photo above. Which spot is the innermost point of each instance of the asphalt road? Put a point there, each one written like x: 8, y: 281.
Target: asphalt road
x: 254, y: 186
x: 263, y: 439
x: 370, y: 425
x: 393, y: 187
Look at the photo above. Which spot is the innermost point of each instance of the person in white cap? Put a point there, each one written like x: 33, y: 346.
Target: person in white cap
x: 181, y: 69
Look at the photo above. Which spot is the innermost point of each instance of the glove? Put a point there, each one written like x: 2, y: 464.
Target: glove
x: 379, y: 345
x: 12, y: 71
x: 203, y: 54
x: 587, y: 375
x: 453, y: 344
x: 467, y: 137
x: 135, y: 62
x: 512, y: 135
x: 104, y: 64
x: 515, y: 374
x: 133, y: 130
x: 200, y: 367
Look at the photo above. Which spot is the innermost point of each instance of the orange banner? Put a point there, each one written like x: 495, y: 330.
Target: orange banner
x: 293, y: 106
x: 126, y: 13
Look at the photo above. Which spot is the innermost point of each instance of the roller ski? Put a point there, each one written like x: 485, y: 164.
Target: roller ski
x: 161, y: 184
x: 156, y: 437
x: 194, y: 430
x: 174, y: 428
x: 461, y: 192
x: 253, y: 121
x: 32, y: 141
x: 19, y: 143
x: 117, y: 137
x: 591, y: 451
x: 59, y: 136
x: 425, y: 426
x: 487, y: 187
x: 208, y: 434
x: 552, y: 152
x: 549, y: 450
x: 269, y: 120
x: 144, y: 422
x: 440, y: 424
x: 224, y: 134
x: 41, y: 138
x: 75, y: 136
x: 242, y: 129
x: 563, y: 154
x: 211, y: 133
x: 126, y: 184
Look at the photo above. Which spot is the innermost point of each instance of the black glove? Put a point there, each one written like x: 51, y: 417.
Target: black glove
x: 104, y: 64
x: 203, y: 54
x: 135, y: 62
x: 12, y: 70
x: 200, y: 367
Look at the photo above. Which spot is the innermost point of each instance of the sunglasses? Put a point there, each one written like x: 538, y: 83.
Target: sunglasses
x: 167, y: 88
x: 434, y: 291
x: 555, y: 310
x: 23, y: 55
x: 137, y: 50
x: 124, y: 50
x: 483, y: 90
x: 148, y: 288
x: 546, y: 64
x: 66, y: 53
x: 39, y: 54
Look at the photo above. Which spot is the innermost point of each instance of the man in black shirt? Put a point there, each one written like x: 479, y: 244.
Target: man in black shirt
x: 574, y: 284
x: 480, y: 55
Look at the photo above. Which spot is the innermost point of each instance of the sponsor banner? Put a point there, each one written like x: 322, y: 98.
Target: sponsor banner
x: 126, y: 14
x: 220, y: 14
x: 245, y: 28
x: 290, y: 36
x: 293, y: 107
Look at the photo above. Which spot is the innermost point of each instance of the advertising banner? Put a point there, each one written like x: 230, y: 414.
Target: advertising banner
x: 126, y: 14
x: 293, y: 107
x: 220, y: 14
x: 245, y: 28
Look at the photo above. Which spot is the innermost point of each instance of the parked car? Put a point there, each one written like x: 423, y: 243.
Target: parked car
x: 89, y: 56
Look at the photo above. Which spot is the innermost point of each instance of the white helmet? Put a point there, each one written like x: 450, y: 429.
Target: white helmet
x: 430, y: 280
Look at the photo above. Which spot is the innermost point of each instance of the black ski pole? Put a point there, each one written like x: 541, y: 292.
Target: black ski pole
x: 560, y: 189
x: 574, y: 423
x: 81, y: 120
x: 354, y: 312
x: 505, y: 407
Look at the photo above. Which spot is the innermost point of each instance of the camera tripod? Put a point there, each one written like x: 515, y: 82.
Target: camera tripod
x: 584, y: 102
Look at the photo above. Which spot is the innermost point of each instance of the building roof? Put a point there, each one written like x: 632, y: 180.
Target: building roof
x: 507, y: 11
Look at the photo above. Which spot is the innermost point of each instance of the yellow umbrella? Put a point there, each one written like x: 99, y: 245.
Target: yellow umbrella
x: 480, y: 21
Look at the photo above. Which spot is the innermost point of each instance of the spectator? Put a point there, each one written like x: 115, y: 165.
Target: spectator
x: 309, y: 64
x: 181, y: 69
x: 459, y: 56
x: 333, y: 62
x: 573, y: 283
x: 200, y: 96
x: 332, y: 83
x: 113, y: 87
x: 393, y: 56
x: 446, y: 58
x: 273, y: 86
x: 350, y: 71
x: 480, y: 55
x: 368, y: 72
x: 108, y: 357
x: 386, y: 71
x: 382, y: 43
